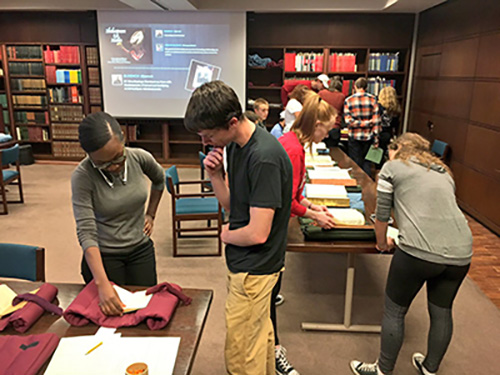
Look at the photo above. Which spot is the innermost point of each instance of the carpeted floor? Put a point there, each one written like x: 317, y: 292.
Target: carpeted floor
x: 313, y: 287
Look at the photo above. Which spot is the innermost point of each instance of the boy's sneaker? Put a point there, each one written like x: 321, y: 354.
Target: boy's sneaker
x: 418, y: 363
x: 279, y: 300
x: 283, y: 367
x: 361, y: 368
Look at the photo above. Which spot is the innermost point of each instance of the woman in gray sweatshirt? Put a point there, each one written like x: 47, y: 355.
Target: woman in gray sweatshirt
x: 435, y: 248
x: 109, y: 194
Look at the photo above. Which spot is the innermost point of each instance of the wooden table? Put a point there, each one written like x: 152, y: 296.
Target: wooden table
x: 297, y: 243
x: 187, y: 322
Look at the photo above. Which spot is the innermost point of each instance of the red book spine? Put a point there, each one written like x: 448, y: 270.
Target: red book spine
x: 290, y: 61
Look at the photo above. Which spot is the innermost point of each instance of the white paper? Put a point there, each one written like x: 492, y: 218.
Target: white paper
x: 133, y: 301
x: 7, y: 295
x: 393, y: 233
x: 114, y: 355
x: 105, y: 332
x: 319, y: 174
x: 325, y: 191
x: 347, y: 216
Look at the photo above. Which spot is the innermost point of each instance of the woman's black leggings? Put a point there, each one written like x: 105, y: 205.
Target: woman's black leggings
x: 407, y: 275
x: 137, y: 267
x: 276, y: 291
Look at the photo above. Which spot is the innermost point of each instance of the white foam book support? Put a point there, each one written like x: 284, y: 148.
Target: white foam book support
x: 325, y: 191
x: 114, y: 355
x: 347, y: 216
x: 330, y: 174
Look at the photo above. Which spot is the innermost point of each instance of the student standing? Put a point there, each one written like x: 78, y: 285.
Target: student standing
x: 259, y: 199
x: 294, y: 106
x: 261, y: 109
x: 312, y: 125
x: 316, y: 85
x: 390, y: 111
x: 109, y: 195
x: 362, y: 116
x: 336, y: 99
x: 435, y: 248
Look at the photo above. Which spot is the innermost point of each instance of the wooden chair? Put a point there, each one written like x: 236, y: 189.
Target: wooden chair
x: 440, y: 149
x: 22, y: 262
x: 193, y: 207
x: 7, y: 157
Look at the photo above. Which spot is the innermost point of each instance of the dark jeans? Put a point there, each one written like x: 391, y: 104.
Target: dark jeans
x: 276, y: 291
x: 384, y: 139
x: 407, y: 275
x: 137, y: 267
x: 357, y: 151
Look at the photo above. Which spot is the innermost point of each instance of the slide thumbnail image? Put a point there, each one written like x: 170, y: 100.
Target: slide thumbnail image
x: 132, y: 42
x: 200, y: 73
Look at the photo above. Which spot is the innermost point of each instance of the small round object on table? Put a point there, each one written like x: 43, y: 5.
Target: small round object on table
x: 138, y: 368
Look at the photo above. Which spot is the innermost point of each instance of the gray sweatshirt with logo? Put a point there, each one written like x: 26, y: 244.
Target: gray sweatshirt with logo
x: 431, y: 226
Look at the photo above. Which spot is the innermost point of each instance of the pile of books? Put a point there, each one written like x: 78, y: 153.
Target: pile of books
x: 55, y: 75
x: 62, y: 55
x: 66, y: 113
x: 65, y: 131
x: 383, y: 62
x: 303, y: 62
x: 67, y: 150
x: 343, y: 62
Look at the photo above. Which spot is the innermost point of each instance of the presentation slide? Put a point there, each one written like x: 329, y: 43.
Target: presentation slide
x: 151, y: 62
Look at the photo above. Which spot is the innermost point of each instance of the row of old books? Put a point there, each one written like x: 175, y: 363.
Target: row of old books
x: 27, y: 117
x: 94, y: 77
x: 65, y: 132
x: 32, y: 133
x: 65, y: 95
x: 62, y: 55
x: 29, y: 100
x: 95, y: 95
x: 24, y: 52
x: 67, y: 149
x: 26, y: 68
x: 27, y: 84
x: 66, y: 113
x: 92, y: 56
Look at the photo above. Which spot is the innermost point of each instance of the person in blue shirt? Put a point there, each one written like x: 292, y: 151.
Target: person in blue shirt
x: 277, y: 129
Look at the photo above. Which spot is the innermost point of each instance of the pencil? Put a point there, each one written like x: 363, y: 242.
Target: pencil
x: 94, y: 348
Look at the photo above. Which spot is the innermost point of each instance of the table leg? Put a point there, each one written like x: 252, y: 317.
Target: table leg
x: 346, y: 326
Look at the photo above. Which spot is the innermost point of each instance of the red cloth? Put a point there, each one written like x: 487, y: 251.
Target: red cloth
x: 297, y: 156
x: 24, y: 318
x: 26, y: 354
x: 288, y: 87
x: 85, y: 308
x: 336, y: 100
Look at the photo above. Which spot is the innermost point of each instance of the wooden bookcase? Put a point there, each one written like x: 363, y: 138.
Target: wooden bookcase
x: 266, y: 82
x: 48, y: 93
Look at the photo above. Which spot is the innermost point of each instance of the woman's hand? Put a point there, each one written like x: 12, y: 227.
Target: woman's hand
x: 387, y: 246
x: 109, y: 302
x: 318, y: 208
x: 148, y: 224
x: 324, y: 219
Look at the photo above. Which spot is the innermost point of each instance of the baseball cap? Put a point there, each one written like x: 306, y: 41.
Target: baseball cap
x: 324, y: 80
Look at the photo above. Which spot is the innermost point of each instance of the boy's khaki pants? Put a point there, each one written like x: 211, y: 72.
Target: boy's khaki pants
x: 250, y: 336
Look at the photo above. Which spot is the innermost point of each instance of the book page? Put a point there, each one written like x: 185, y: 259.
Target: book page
x: 132, y: 301
x: 318, y: 174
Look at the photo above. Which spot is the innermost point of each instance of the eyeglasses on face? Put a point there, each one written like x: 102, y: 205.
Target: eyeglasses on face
x: 118, y: 160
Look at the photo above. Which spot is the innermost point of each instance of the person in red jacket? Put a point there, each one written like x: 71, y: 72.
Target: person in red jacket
x: 318, y: 84
x: 314, y: 122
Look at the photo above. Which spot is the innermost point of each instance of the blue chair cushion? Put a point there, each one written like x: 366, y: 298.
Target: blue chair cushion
x: 185, y: 206
x: 18, y: 261
x: 8, y: 174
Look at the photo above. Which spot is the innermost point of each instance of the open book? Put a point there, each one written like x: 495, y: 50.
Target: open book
x: 132, y: 301
x: 7, y: 295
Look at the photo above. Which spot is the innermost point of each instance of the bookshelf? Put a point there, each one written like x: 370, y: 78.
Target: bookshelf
x: 380, y: 66
x: 45, y: 89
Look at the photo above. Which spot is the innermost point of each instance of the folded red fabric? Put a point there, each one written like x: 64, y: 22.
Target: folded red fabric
x: 26, y: 354
x: 85, y: 308
x: 24, y: 318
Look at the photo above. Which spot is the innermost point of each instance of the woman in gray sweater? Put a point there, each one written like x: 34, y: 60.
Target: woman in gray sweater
x: 435, y: 248
x: 109, y: 194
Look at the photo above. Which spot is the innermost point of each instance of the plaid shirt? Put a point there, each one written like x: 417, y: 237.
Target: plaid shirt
x: 362, y: 116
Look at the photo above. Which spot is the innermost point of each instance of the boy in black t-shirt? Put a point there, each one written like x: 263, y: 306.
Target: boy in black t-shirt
x: 258, y: 197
